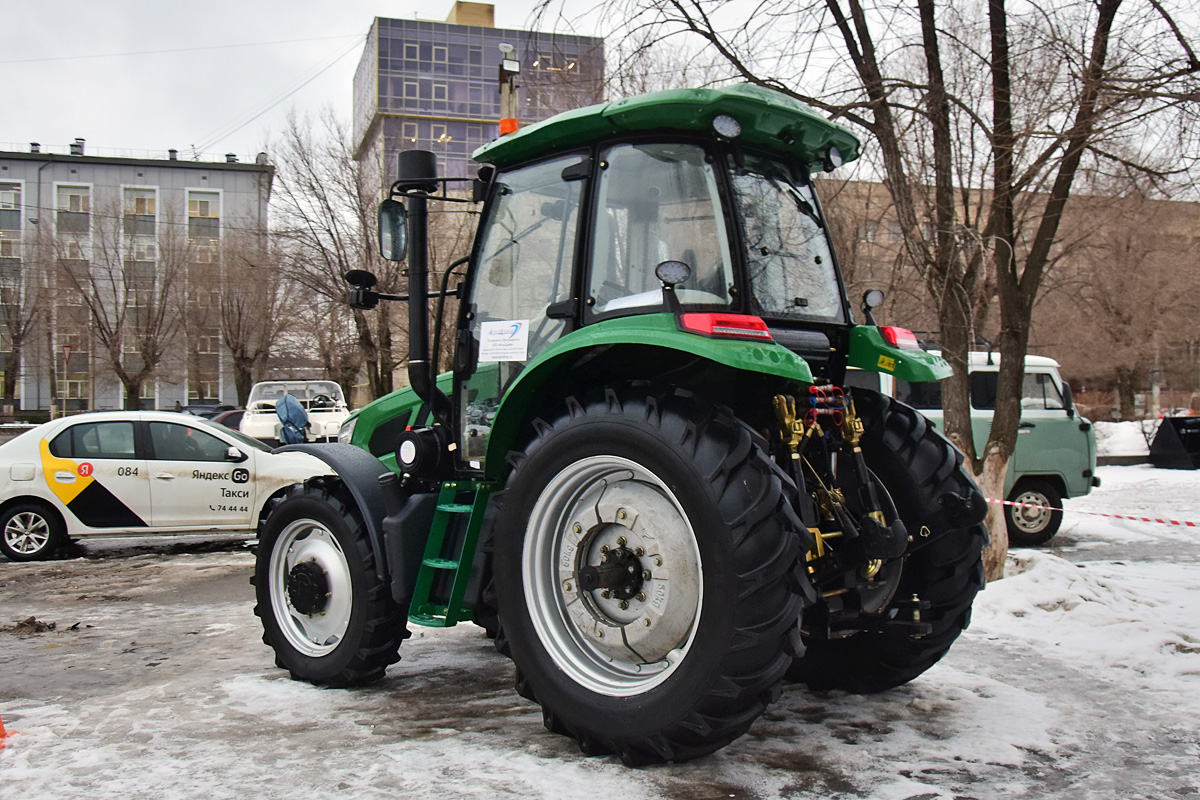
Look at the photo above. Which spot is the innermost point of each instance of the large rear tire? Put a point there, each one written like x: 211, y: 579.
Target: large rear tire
x: 329, y: 618
x: 939, y: 504
x: 648, y: 576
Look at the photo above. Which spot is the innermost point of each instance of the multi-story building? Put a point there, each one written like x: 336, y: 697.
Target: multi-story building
x: 435, y: 85
x: 111, y: 272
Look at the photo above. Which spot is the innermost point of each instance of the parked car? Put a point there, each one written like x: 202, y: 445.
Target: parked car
x: 230, y: 419
x: 1055, y: 455
x: 323, y: 401
x: 135, y: 472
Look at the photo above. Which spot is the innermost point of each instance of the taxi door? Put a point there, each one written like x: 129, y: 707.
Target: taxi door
x: 193, y: 484
x: 95, y: 470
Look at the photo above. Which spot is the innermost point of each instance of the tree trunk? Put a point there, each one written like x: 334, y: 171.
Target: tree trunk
x: 991, y: 483
x: 1125, y: 393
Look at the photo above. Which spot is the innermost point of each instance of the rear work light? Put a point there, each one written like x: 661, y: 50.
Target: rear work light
x: 725, y: 326
x: 899, y: 337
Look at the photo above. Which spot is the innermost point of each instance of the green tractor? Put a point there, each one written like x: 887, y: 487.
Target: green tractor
x: 648, y: 475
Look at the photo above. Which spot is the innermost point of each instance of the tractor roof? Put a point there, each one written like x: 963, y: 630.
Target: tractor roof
x: 768, y: 119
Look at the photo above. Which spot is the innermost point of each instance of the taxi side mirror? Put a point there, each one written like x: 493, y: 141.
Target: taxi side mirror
x: 235, y: 455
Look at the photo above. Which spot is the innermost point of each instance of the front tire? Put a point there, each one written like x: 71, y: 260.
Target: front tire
x: 329, y: 618
x: 1030, y: 527
x: 31, y: 531
x: 647, y: 575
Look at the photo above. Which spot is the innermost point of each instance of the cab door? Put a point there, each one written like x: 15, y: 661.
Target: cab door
x: 95, y: 469
x: 193, y: 483
x: 1050, y: 441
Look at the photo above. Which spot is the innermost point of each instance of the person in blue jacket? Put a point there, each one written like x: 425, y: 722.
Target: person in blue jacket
x: 293, y: 418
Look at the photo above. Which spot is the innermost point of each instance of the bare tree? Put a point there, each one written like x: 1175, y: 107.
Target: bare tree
x: 326, y: 204
x: 1083, y: 79
x: 254, y: 309
x: 128, y: 289
x: 22, y: 301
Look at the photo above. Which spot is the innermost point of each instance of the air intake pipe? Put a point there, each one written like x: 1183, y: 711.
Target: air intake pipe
x: 417, y: 177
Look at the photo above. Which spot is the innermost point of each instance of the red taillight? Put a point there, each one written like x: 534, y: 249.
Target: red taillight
x: 899, y: 337
x: 725, y: 326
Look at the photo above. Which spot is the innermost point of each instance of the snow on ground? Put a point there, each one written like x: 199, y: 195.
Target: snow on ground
x: 1079, y: 678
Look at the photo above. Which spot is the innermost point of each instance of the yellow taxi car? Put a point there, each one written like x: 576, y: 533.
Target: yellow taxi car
x: 135, y: 472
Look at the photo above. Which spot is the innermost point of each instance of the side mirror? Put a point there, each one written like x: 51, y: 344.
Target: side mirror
x: 393, y: 230
x: 1068, y: 400
x: 235, y: 455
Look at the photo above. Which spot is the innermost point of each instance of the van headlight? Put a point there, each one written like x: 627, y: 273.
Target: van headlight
x: 346, y: 432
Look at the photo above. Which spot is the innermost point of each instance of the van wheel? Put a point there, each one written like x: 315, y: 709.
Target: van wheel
x: 1029, y: 527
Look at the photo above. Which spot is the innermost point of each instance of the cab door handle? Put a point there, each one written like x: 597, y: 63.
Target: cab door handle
x: 165, y: 476
x: 1026, y: 425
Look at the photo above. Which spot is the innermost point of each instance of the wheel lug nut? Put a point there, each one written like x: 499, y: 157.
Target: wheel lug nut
x: 639, y: 552
x: 567, y: 586
x: 624, y: 604
x: 646, y: 622
x: 606, y: 594
x: 577, y: 528
x: 646, y: 575
x: 621, y: 541
x: 599, y: 634
x: 603, y: 548
x: 622, y: 514
x: 657, y: 562
x: 641, y: 597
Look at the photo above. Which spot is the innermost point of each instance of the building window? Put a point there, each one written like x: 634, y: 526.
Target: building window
x: 139, y: 212
x: 441, y: 92
x: 74, y: 209
x: 410, y: 90
x: 438, y: 133
x: 410, y: 131
x: 10, y: 207
x: 411, y: 51
x: 204, y: 215
x: 440, y: 53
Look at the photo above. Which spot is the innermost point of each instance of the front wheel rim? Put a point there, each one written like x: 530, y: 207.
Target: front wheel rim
x: 1031, y: 520
x: 628, y: 636
x: 308, y: 545
x: 27, y: 533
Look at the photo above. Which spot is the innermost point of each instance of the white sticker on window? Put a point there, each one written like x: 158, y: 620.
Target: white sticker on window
x: 504, y: 341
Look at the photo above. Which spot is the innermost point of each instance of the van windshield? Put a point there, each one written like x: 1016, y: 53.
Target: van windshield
x: 304, y: 391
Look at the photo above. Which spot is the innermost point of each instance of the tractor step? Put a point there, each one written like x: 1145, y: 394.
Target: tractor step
x: 449, y: 554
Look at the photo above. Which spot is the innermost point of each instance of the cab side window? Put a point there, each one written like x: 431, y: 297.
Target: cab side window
x: 1038, y: 391
x: 95, y: 440
x: 172, y: 442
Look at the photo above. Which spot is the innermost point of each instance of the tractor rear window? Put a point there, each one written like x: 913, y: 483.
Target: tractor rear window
x: 658, y: 202
x: 787, y: 253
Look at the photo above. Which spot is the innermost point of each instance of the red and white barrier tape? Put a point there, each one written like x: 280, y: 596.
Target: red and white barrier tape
x: 1182, y: 524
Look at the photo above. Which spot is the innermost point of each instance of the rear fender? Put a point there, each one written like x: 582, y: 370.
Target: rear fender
x: 647, y: 330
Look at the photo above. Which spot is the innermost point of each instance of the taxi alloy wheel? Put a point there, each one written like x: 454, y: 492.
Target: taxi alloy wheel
x: 30, y: 532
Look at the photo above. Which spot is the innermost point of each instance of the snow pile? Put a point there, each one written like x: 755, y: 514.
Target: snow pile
x: 1135, y: 619
x: 1125, y: 438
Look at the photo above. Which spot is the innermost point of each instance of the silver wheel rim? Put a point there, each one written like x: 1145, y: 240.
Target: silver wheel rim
x: 27, y: 532
x: 606, y: 645
x: 317, y: 634
x: 1031, y: 520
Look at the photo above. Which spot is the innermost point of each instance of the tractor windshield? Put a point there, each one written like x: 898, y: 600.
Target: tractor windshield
x: 788, y: 259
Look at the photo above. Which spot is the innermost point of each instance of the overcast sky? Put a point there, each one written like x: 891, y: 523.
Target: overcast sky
x: 80, y: 68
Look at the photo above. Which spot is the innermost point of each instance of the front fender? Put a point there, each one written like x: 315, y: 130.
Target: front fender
x: 359, y: 472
